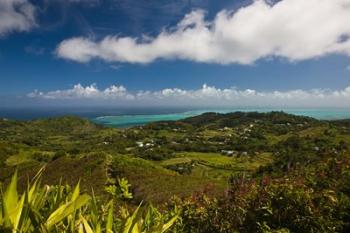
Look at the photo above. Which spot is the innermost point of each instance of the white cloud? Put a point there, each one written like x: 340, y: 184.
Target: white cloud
x: 88, y: 92
x: 291, y: 29
x: 205, y: 96
x: 16, y: 15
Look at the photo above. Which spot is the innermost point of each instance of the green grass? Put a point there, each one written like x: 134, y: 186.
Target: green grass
x: 213, y: 158
x: 169, y: 134
x: 24, y: 156
x: 219, y: 165
x: 313, y: 132
x: 175, y: 161
x: 207, y: 133
x: 251, y: 163
x: 214, y: 168
x: 248, y: 163
x: 89, y: 169
x: 152, y: 182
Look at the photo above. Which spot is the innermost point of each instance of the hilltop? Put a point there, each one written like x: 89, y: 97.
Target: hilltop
x: 160, y: 159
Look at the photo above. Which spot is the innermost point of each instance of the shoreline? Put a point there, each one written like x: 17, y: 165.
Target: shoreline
x: 124, y: 121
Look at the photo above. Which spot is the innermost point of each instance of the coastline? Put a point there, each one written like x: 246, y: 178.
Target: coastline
x: 124, y: 121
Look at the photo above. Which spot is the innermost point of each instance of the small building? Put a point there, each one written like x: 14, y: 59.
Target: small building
x: 228, y: 152
x: 139, y: 144
x: 244, y: 153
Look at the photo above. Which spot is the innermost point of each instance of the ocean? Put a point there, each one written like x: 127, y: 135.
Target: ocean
x: 134, y: 120
x: 128, y: 117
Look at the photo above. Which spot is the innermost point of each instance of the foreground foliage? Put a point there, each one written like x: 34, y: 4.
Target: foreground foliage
x: 62, y: 209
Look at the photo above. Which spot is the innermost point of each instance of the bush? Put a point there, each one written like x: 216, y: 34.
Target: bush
x: 41, y: 157
x: 266, y: 205
x: 62, y: 209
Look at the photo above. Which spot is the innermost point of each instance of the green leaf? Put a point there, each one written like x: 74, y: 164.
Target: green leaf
x: 109, y: 223
x: 137, y: 227
x: 130, y: 220
x: 76, y: 191
x: 15, y: 215
x: 87, y: 227
x: 11, y: 196
x: 65, y: 210
x: 167, y: 225
x: 98, y: 228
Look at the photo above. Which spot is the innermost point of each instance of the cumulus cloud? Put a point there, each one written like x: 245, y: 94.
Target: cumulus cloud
x: 88, y: 92
x: 16, y: 15
x: 291, y: 29
x: 205, y: 96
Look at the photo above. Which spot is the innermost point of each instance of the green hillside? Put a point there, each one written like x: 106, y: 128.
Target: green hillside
x: 236, y: 167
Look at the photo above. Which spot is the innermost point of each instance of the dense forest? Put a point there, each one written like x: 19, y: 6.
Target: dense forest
x: 235, y: 172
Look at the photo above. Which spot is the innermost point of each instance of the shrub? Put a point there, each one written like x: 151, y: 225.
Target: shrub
x: 62, y: 209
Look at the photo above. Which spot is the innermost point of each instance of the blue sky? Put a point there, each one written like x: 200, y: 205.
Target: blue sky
x: 178, y: 45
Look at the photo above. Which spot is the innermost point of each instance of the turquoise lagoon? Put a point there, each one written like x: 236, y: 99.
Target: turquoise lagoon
x: 123, y: 121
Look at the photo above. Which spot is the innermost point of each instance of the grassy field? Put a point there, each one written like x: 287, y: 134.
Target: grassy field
x: 219, y: 161
x: 152, y: 182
